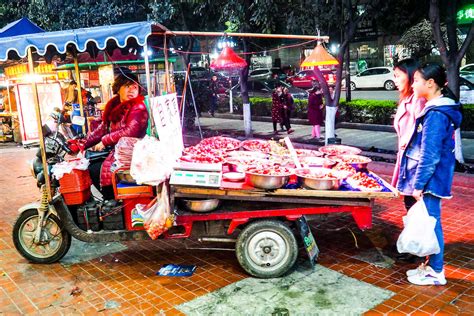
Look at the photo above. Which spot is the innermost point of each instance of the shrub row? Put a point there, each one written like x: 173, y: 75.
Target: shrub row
x: 356, y: 111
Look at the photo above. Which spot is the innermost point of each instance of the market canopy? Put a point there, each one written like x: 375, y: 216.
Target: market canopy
x: 20, y: 27
x: 90, y: 39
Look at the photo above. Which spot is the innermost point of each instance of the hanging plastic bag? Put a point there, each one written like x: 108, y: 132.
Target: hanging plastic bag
x: 156, y: 215
x: 418, y: 236
x: 151, y: 162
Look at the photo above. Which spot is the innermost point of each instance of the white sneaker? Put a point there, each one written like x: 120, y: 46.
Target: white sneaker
x: 421, y: 269
x: 427, y: 276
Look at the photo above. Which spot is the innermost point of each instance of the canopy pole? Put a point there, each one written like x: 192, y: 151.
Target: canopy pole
x: 261, y: 35
x: 147, y: 71
x: 40, y: 123
x: 167, y: 81
x: 79, y: 87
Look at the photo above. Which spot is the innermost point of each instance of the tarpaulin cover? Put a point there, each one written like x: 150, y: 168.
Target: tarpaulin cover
x: 20, y: 27
x: 83, y: 39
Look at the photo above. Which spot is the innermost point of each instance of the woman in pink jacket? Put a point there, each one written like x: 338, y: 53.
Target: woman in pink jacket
x: 409, y: 107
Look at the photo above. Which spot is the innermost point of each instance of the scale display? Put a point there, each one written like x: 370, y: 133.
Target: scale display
x: 196, y: 178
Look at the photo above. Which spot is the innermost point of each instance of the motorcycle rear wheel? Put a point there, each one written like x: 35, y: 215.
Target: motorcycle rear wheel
x: 55, y: 240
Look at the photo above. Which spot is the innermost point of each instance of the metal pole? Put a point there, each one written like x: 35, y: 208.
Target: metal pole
x: 40, y: 124
x: 147, y: 71
x: 231, y: 98
x: 167, y: 81
x: 79, y: 87
x: 195, y: 108
x: 256, y: 35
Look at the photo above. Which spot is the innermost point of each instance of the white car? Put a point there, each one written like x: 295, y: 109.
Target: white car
x: 377, y: 77
x: 467, y: 72
x: 466, y: 91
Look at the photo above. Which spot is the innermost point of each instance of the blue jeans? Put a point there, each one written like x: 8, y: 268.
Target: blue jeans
x: 433, y: 205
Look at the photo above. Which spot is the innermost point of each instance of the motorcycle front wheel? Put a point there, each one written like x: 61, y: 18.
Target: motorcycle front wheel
x: 54, y: 243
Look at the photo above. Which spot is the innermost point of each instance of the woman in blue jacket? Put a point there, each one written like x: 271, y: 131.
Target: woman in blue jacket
x: 427, y: 165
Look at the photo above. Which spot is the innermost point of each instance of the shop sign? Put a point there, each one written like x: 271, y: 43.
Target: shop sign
x: 167, y: 122
x: 49, y: 95
x: 466, y: 15
x: 22, y: 69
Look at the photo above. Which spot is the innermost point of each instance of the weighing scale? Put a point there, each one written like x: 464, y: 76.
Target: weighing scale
x: 197, y: 174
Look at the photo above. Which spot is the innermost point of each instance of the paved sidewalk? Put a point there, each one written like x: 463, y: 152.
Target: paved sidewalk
x: 364, y: 139
x: 123, y: 282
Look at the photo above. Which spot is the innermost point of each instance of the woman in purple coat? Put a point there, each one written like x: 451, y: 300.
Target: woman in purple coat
x: 315, y: 110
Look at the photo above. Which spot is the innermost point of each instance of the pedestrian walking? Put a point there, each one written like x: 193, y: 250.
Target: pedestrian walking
x: 213, y: 87
x: 331, y: 112
x: 277, y: 106
x: 409, y: 107
x: 315, y: 110
x: 288, y: 102
x: 427, y: 163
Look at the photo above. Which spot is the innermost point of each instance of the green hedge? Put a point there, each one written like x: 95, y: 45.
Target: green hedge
x: 368, y: 111
x: 356, y: 111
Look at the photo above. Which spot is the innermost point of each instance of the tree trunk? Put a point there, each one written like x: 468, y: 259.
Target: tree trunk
x: 244, y: 74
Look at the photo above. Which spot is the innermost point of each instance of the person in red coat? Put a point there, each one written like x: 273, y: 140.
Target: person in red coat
x: 125, y: 115
x: 277, y: 107
x: 315, y: 110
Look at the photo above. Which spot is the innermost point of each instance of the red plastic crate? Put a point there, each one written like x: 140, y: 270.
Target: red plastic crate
x: 75, y: 198
x: 77, y: 180
x: 129, y: 205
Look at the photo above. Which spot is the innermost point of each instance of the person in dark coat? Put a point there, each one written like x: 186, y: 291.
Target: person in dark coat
x: 315, y: 110
x: 125, y: 115
x: 288, y: 102
x: 213, y: 87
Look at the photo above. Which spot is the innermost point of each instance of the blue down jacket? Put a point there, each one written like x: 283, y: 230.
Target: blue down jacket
x: 428, y: 161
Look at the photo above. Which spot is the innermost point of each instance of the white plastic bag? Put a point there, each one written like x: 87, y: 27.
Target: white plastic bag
x: 60, y: 169
x: 151, y: 162
x: 418, y: 236
x: 157, y: 217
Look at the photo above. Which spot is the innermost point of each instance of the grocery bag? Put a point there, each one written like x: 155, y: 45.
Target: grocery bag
x: 156, y: 215
x: 151, y: 163
x: 418, y: 236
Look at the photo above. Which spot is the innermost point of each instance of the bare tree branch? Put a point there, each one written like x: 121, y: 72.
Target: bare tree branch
x: 465, y: 45
x: 436, y: 25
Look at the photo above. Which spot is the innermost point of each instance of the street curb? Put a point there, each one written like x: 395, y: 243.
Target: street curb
x: 298, y: 121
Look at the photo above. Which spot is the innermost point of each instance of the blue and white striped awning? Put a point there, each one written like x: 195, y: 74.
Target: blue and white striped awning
x: 84, y: 39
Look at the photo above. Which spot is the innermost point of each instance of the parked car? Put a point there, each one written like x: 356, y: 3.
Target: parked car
x: 467, y: 72
x: 267, y: 73
x: 304, y: 79
x: 377, y: 77
x: 198, y: 72
x: 264, y: 89
x: 466, y: 91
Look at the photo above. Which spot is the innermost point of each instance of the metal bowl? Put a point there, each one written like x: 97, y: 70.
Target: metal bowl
x: 320, y: 184
x: 201, y: 206
x: 359, y: 162
x: 267, y: 182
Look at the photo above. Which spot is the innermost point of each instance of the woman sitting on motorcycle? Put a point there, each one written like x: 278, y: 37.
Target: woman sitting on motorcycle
x: 125, y: 115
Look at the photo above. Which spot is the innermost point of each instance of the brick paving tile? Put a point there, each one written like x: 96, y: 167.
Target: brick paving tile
x: 37, y: 289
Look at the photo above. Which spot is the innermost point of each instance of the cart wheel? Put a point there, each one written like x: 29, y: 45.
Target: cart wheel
x: 266, y: 249
x: 55, y: 240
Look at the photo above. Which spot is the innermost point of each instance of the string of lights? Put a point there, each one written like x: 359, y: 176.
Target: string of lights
x: 247, y: 53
